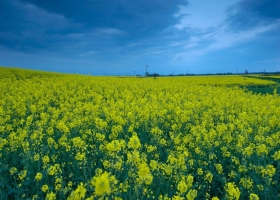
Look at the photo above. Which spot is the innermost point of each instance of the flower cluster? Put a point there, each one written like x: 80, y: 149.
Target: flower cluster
x: 83, y: 137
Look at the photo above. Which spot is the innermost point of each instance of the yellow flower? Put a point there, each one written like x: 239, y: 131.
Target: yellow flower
x: 38, y: 176
x: 70, y: 184
x: 58, y: 187
x: 50, y: 141
x: 248, y: 151
x: 22, y: 174
x: 134, y: 156
x: 276, y: 155
x: 219, y: 168
x: 102, y: 184
x: 36, y: 157
x: 13, y: 170
x: 45, y: 188
x: 78, y: 142
x: 261, y: 149
x: 113, y: 146
x: 151, y: 148
x: 168, y: 169
x: 269, y: 170
x: 149, y: 179
x: 62, y: 127
x: 79, y: 193
x: 118, y: 165
x: 46, y: 160
x: 182, y: 186
x: 144, y: 173
x: 191, y: 194
x: 80, y: 156
x: 134, y: 142
x: 253, y: 197
x: 143, y: 170
x: 50, y: 196
x: 246, y: 182
x: 50, y: 130
x: 189, y: 180
x: 232, y: 192
x: 199, y: 171
x: 153, y: 164
x: 177, y: 197
x: 3, y: 142
x: 51, y: 171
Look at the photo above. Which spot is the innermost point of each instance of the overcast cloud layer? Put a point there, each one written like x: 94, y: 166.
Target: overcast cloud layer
x: 121, y: 37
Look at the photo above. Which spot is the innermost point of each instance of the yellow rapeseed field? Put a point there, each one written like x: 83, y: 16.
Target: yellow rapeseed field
x: 83, y: 137
x: 278, y: 77
x: 225, y: 80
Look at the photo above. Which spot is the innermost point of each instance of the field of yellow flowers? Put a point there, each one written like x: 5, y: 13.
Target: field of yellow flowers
x: 83, y: 137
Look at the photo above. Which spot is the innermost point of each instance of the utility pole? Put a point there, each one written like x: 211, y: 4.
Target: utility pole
x: 146, y: 70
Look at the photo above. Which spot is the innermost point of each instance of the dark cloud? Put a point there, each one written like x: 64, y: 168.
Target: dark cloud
x: 29, y: 25
x: 247, y: 14
x: 138, y: 16
x: 26, y: 27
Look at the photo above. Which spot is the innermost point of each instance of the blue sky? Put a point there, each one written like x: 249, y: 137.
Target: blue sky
x: 121, y: 37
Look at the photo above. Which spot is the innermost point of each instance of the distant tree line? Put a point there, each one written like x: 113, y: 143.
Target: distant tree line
x: 246, y: 72
x: 228, y: 73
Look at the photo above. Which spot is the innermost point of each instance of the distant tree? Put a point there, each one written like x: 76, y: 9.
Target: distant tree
x: 154, y: 75
x: 246, y: 71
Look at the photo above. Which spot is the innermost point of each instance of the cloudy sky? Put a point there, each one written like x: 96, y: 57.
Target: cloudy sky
x: 121, y: 37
